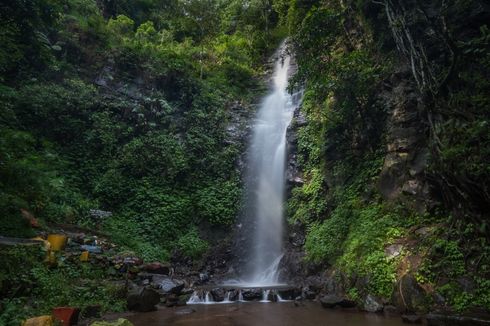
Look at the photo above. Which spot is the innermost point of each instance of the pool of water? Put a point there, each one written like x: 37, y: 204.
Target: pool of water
x: 255, y: 313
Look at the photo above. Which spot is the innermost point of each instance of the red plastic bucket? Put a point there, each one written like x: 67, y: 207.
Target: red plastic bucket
x: 66, y: 315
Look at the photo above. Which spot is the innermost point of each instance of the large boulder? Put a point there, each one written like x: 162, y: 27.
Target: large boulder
x: 252, y: 294
x: 169, y: 285
x: 142, y: 299
x: 218, y: 294
x: 332, y: 301
x: 372, y: 304
x: 409, y: 296
x: 157, y: 268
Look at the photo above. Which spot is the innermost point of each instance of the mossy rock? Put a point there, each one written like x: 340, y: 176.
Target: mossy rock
x: 409, y: 296
x: 119, y: 322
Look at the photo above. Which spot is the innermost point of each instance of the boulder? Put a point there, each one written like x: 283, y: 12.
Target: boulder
x: 372, y: 304
x: 393, y: 250
x: 308, y: 294
x: 142, y: 299
x: 157, y: 268
x: 169, y: 285
x: 412, y: 319
x: 119, y: 322
x: 92, y: 311
x: 332, y: 301
x: 218, y: 294
x: 408, y: 295
x: 252, y: 294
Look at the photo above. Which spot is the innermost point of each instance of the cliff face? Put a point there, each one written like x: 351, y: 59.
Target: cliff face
x: 389, y: 156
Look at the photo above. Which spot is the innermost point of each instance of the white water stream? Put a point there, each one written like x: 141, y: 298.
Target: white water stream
x: 265, y: 186
x: 266, y: 170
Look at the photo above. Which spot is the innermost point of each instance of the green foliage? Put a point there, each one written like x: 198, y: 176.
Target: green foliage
x: 459, y: 280
x: 308, y: 202
x: 191, y: 245
x: 24, y: 26
x: 220, y: 202
x: 24, y: 277
x: 325, y: 240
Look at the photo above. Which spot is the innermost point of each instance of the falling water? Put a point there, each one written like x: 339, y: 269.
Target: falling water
x: 267, y: 177
x: 265, y: 296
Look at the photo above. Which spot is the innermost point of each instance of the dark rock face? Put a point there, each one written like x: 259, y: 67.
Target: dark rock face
x: 406, y: 157
x: 332, y: 301
x: 409, y: 295
x: 142, y: 299
x: 294, y: 175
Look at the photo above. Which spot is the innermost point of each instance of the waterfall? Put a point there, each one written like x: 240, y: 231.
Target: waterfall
x: 266, y: 178
x: 265, y: 296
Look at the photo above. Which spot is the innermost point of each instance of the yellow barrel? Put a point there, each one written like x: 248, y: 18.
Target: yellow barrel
x: 39, y: 321
x: 57, y: 241
x: 84, y: 256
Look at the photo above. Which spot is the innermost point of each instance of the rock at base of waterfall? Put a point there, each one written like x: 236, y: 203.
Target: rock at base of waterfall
x: 252, y: 294
x: 142, y: 299
x: 218, y: 294
x: 169, y: 285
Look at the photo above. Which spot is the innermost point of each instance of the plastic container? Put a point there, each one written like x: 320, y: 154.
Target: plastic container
x: 67, y: 316
x: 57, y: 241
x: 39, y: 321
x: 84, y: 256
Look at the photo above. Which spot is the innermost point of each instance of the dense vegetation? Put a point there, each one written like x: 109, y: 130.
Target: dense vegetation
x: 349, y: 53
x: 123, y: 106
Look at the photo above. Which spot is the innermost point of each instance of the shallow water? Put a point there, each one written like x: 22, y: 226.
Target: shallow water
x: 256, y: 313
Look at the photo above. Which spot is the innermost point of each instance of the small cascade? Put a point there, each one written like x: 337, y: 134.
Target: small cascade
x: 198, y: 298
x: 208, y: 298
x: 265, y: 296
x: 227, y: 297
x: 240, y: 296
x: 280, y: 299
x: 194, y: 299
